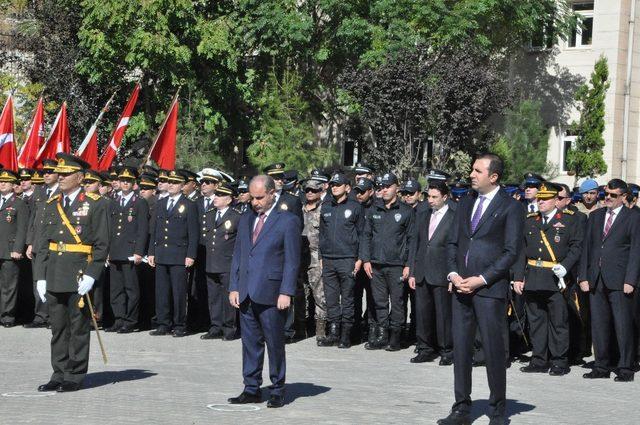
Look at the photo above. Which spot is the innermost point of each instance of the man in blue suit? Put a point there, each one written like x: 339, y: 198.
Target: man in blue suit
x: 264, y: 271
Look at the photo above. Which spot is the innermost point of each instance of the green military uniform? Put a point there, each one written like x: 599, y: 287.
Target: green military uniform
x: 13, y: 230
x: 75, y: 243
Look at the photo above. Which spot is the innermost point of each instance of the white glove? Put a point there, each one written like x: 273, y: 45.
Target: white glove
x: 85, y: 284
x: 41, y: 286
x: 559, y: 271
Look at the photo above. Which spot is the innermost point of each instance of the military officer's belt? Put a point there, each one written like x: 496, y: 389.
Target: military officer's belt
x: 70, y: 247
x: 540, y: 263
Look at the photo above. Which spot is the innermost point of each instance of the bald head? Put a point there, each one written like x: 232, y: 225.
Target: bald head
x: 263, y: 193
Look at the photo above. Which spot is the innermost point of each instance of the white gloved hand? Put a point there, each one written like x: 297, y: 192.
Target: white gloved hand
x: 41, y: 286
x: 85, y: 284
x: 559, y: 270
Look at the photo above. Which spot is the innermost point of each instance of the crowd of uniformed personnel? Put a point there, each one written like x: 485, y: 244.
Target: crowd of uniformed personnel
x: 154, y: 249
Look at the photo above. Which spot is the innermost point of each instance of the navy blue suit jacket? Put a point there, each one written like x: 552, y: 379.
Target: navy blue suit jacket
x: 268, y: 268
x: 494, y: 246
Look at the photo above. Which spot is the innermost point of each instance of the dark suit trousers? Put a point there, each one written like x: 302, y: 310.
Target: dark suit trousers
x: 70, y: 329
x: 171, y: 284
x: 433, y: 317
x: 337, y: 276
x: 124, y: 292
x: 387, y: 284
x: 197, y: 305
x: 221, y: 312
x: 489, y: 315
x: 548, y: 327
x: 262, y: 324
x: 9, y: 271
x: 605, y: 306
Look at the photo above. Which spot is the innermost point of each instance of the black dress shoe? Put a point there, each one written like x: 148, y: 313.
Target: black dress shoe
x: 34, y: 325
x: 456, y: 417
x: 534, y: 369
x: 68, y: 386
x: 597, y: 374
x: 445, y: 361
x: 126, y: 329
x: 558, y: 370
x: 229, y: 338
x: 624, y: 377
x: 49, y: 386
x: 211, y: 335
x: 159, y: 332
x: 275, y: 401
x: 179, y: 333
x: 114, y: 328
x: 496, y: 420
x: 8, y: 324
x: 424, y: 357
x: 245, y: 398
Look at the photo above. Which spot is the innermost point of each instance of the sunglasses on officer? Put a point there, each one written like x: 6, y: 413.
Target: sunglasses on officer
x: 310, y: 190
x: 532, y: 186
x: 611, y: 194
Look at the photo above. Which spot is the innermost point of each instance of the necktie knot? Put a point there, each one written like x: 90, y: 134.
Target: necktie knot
x: 67, y: 201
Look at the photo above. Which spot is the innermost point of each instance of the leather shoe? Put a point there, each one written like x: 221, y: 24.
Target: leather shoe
x: 34, y: 325
x: 159, y: 332
x: 245, y: 398
x: 126, y: 330
x: 211, y: 335
x: 496, y: 420
x: 275, y: 401
x: 558, y: 370
x: 229, y: 338
x: 624, y: 377
x: 8, y: 324
x: 534, y: 369
x: 456, y: 417
x: 597, y: 374
x: 49, y: 386
x: 114, y: 328
x: 68, y: 386
x: 424, y: 357
x: 179, y: 333
x: 445, y: 361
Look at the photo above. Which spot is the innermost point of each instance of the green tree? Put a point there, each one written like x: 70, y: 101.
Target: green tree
x: 586, y: 158
x: 523, y: 143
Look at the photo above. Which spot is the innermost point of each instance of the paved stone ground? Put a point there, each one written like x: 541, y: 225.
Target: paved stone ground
x: 164, y: 380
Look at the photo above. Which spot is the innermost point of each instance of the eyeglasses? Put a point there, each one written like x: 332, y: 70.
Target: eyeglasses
x: 309, y: 190
x: 611, y: 194
x: 562, y: 197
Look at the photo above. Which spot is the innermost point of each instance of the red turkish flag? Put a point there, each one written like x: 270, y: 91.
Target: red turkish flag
x: 8, y: 154
x: 111, y: 150
x: 35, y: 138
x: 59, y: 140
x: 164, y: 148
x: 89, y: 152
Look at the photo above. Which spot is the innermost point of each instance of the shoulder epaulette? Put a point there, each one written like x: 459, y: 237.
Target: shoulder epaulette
x: 54, y: 198
x: 533, y: 214
x: 568, y: 212
x: 93, y: 196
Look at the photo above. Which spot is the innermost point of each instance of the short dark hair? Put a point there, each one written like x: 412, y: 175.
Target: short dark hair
x: 440, y: 186
x: 562, y: 187
x: 496, y: 164
x: 614, y: 184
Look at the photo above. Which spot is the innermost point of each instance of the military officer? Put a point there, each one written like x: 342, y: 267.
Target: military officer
x: 13, y: 231
x: 190, y: 189
x: 532, y: 183
x: 70, y: 259
x: 220, y: 244
x: 243, y: 200
x: 27, y: 186
x: 163, y: 183
x: 129, y: 234
x: 552, y: 246
x: 37, y: 178
x: 173, y: 247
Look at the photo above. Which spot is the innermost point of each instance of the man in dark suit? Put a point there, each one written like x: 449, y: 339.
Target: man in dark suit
x: 172, y: 250
x: 264, y: 272
x: 610, y: 274
x: 429, y: 278
x: 129, y: 235
x: 483, y: 245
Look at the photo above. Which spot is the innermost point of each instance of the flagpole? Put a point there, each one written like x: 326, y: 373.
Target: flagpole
x: 93, y: 128
x: 166, y: 118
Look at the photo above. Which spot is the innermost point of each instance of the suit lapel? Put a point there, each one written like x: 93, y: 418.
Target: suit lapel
x: 617, y: 222
x: 443, y: 223
x: 495, y: 203
x: 268, y: 224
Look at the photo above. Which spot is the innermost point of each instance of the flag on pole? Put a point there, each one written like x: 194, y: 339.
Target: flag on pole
x: 35, y: 138
x: 59, y: 140
x: 163, y: 150
x: 88, y: 149
x: 8, y: 156
x: 111, y: 150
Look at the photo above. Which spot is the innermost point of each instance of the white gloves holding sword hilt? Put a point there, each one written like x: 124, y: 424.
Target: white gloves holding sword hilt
x: 85, y: 283
x: 560, y: 273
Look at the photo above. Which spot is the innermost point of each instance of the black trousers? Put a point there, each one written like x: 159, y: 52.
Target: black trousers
x: 609, y: 306
x: 70, y: 329
x: 339, y: 282
x: 147, y: 281
x: 9, y: 271
x: 124, y: 292
x: 197, y: 298
x: 171, y: 289
x: 489, y: 315
x: 579, y: 322
x: 387, y: 284
x: 433, y: 319
x: 41, y: 310
x: 221, y: 313
x: 548, y: 327
x: 362, y: 291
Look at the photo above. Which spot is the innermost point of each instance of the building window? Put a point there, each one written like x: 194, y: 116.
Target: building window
x: 582, y: 34
x: 568, y: 142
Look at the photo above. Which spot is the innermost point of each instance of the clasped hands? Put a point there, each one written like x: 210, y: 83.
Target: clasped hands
x: 465, y: 285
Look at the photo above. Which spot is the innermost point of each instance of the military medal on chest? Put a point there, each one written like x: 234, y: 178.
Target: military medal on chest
x: 130, y: 215
x: 227, y: 226
x: 9, y: 218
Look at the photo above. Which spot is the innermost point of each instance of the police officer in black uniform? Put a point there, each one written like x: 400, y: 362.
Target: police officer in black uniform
x: 552, y: 246
x: 410, y: 195
x: 385, y: 250
x: 223, y: 222
x: 129, y: 235
x: 72, y: 254
x: 243, y: 198
x: 172, y: 251
x: 190, y: 189
x: 341, y: 224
